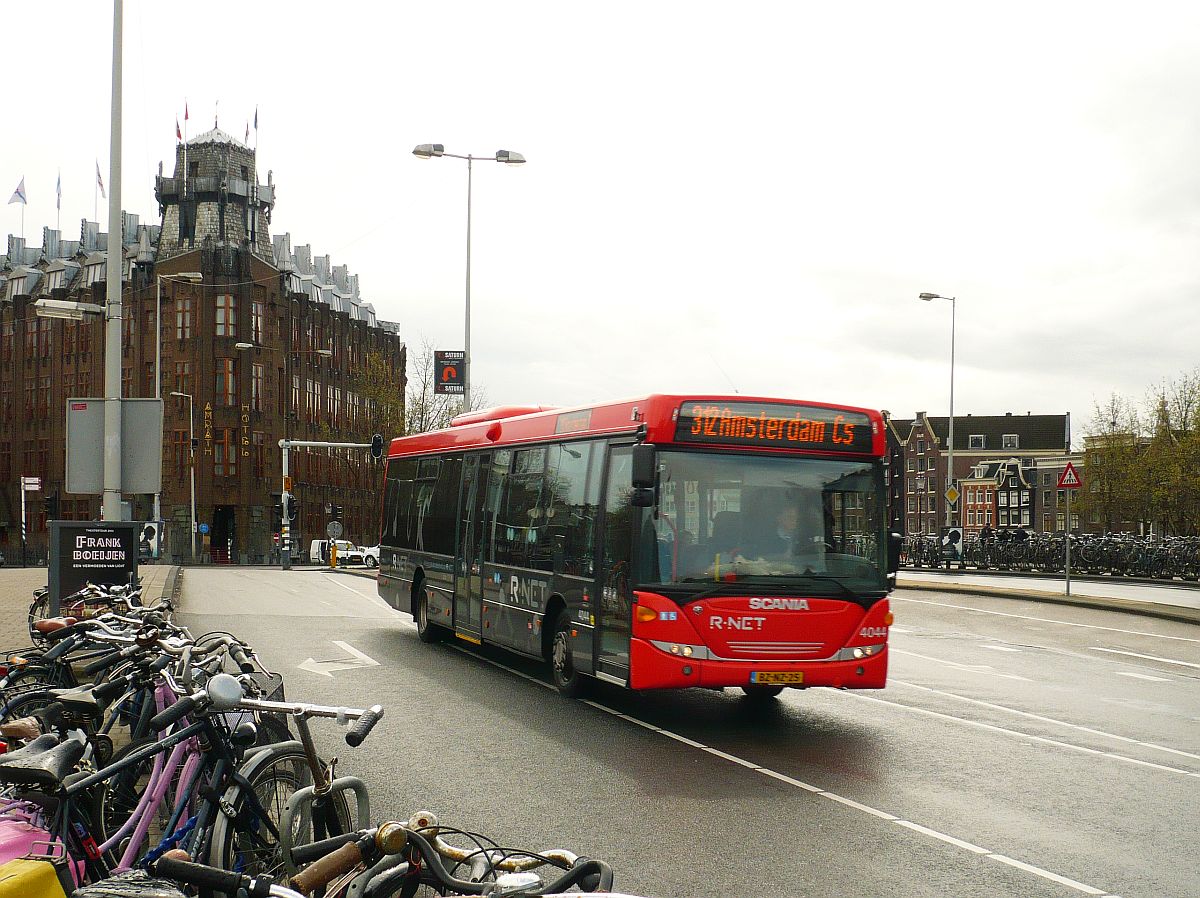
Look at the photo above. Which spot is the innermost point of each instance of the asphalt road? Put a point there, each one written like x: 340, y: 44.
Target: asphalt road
x: 1021, y: 749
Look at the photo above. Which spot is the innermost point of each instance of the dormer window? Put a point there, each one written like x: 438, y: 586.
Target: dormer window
x: 1009, y: 441
x: 977, y: 441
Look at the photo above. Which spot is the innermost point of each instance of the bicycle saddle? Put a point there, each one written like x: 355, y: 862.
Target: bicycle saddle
x: 79, y: 700
x: 36, y: 747
x: 51, y: 624
x: 45, y: 769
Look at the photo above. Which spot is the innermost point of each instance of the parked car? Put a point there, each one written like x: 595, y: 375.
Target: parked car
x: 347, y: 552
x: 370, y: 555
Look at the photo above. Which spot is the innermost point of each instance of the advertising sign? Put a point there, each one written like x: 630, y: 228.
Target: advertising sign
x: 952, y: 544
x: 83, y: 552
x: 450, y: 371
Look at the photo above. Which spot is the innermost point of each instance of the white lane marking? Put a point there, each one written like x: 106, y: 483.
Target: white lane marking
x: 1020, y: 735
x: 1000, y: 648
x: 900, y: 630
x: 1044, y: 620
x: 335, y: 578
x: 1097, y: 648
x: 973, y: 668
x: 1040, y: 717
x: 1138, y: 676
x: 816, y: 790
x: 1046, y: 874
x: 328, y: 667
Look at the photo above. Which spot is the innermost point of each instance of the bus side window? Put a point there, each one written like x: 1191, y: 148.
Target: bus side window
x: 441, y: 514
x: 522, y: 514
x: 397, y: 503
x: 618, y: 520
x: 572, y: 511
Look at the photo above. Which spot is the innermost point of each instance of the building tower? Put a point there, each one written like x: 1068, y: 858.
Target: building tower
x: 214, y: 197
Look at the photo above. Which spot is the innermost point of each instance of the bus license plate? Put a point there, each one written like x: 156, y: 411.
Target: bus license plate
x: 777, y: 677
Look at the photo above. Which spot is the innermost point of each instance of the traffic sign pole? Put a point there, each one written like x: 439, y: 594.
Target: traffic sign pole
x: 1068, y: 567
x: 1070, y: 481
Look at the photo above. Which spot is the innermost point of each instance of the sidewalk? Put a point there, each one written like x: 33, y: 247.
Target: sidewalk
x: 16, y: 592
x: 1171, y: 602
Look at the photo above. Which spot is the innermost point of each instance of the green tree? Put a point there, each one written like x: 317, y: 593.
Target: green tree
x: 382, y: 383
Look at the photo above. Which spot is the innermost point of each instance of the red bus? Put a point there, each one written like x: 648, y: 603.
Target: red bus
x: 662, y: 542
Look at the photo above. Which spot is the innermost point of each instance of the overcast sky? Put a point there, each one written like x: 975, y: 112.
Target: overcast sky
x: 718, y: 196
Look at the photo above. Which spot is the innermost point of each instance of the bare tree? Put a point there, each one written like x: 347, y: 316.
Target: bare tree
x: 428, y: 409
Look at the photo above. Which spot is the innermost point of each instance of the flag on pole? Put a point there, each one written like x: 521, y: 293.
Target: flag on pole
x: 100, y: 180
x: 255, y: 118
x: 246, y: 139
x: 58, y: 192
x: 178, y: 133
x: 19, y: 194
x: 185, y: 111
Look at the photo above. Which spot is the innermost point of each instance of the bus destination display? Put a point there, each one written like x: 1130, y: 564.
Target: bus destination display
x: 771, y: 424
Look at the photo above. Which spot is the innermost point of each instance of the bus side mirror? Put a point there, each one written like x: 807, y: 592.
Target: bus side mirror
x: 642, y: 497
x: 895, y: 541
x: 643, y: 466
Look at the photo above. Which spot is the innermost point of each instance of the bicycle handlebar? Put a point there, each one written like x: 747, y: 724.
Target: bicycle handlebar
x: 363, y: 726
x: 230, y: 883
x: 168, y: 716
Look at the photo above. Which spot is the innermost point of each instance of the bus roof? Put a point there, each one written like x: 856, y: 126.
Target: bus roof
x: 787, y: 425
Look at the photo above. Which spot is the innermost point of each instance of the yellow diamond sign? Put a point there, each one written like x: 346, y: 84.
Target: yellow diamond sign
x: 952, y: 495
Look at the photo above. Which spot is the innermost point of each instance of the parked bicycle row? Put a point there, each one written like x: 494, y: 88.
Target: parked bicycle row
x: 1119, y: 555
x: 129, y: 745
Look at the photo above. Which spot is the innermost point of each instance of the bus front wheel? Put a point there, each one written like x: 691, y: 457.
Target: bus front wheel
x: 762, y: 692
x: 567, y: 679
x: 427, y: 630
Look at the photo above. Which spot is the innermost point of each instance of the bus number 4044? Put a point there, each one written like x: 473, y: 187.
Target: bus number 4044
x: 873, y: 632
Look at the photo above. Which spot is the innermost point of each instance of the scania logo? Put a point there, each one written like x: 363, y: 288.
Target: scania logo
x: 783, y: 604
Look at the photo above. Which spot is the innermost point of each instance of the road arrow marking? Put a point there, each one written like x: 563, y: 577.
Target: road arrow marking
x: 327, y: 668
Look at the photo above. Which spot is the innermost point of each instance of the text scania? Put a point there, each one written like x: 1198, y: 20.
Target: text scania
x: 784, y: 604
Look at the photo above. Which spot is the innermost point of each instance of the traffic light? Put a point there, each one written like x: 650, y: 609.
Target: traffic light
x: 377, y: 446
x: 336, y: 514
x: 291, y: 508
x: 50, y: 503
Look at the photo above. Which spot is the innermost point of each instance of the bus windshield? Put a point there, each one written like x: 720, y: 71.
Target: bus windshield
x: 786, y: 524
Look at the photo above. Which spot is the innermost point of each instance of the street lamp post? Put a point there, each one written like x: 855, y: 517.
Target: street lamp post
x: 929, y: 297
x: 183, y: 277
x: 508, y: 157
x: 192, y: 459
x: 285, y: 530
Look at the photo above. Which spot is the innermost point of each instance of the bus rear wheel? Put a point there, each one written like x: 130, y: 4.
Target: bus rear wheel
x: 567, y: 679
x: 427, y: 631
x: 762, y: 692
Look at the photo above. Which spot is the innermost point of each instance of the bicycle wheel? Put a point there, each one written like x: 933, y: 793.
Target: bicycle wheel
x: 117, y: 798
x: 247, y: 839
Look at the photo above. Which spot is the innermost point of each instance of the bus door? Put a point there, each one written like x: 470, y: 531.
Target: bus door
x: 468, y: 585
x: 614, y: 624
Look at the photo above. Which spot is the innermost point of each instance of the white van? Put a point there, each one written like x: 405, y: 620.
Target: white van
x: 318, y: 551
x: 348, y: 553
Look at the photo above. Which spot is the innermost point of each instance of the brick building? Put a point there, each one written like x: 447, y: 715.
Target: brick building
x: 918, y: 449
x: 268, y: 341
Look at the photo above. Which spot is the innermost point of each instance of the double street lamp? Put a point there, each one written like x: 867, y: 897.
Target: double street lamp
x: 929, y: 297
x: 508, y: 157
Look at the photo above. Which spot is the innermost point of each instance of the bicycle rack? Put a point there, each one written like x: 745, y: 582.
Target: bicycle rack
x: 302, y: 799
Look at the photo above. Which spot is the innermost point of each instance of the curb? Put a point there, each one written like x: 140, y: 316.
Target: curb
x: 170, y: 582
x: 1129, y: 606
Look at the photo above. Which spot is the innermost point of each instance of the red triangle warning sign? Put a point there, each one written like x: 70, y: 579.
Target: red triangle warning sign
x: 1069, y: 479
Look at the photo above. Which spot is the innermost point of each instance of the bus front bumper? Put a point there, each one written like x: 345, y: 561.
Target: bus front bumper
x: 652, y: 668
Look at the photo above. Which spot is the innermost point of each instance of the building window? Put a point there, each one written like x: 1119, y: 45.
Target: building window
x: 6, y: 342
x: 920, y: 447
x: 225, y: 453
x: 1060, y: 521
x: 44, y: 337
x: 180, y: 449
x: 977, y: 441
x: 912, y: 463
x: 258, y: 445
x: 226, y: 386
x: 226, y: 315
x: 257, y: 377
x: 314, y: 400
x: 183, y: 377
x: 257, y: 316
x: 127, y: 382
x: 1025, y: 517
x: 295, y: 394
x: 1009, y: 441
x: 44, y: 398
x: 1013, y: 498
x: 1003, y: 497
x: 1048, y: 498
x: 183, y: 317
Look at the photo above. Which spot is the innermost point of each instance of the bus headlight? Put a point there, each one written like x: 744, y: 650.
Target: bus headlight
x: 681, y: 649
x: 858, y: 652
